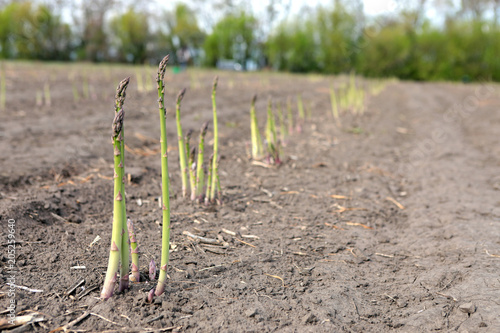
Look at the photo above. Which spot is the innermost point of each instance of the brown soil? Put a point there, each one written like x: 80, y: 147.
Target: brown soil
x: 314, y: 266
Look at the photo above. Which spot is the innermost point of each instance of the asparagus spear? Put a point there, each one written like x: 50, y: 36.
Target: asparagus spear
x: 199, y: 164
x: 216, y: 140
x: 290, y: 114
x: 116, y: 241
x: 283, y: 129
x: 209, y: 179
x: 134, y: 250
x: 192, y: 176
x: 335, y: 110
x: 187, y: 151
x: 182, y: 146
x: 254, y: 128
x: 124, y: 268
x: 160, y: 287
x: 300, y: 107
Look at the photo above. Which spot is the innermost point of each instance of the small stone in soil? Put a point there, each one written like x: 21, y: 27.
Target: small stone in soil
x: 467, y: 308
x: 309, y: 319
x: 251, y: 312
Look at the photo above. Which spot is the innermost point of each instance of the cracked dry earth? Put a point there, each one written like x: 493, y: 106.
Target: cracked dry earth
x: 389, y: 223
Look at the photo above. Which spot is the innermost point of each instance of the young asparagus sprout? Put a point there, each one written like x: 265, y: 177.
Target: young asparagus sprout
x: 300, y: 107
x: 209, y: 179
x: 124, y: 267
x: 257, y: 148
x: 219, y: 190
x: 216, y: 140
x: 187, y: 151
x: 182, y: 146
x: 283, y: 129
x: 46, y: 92
x: 160, y: 287
x: 271, y: 134
x: 335, y: 109
x: 192, y: 175
x: 289, y: 115
x: 152, y: 270
x: 118, y: 195
x: 199, y: 165
x: 134, y: 250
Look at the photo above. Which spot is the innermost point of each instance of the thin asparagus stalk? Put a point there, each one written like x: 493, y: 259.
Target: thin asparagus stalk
x: 335, y: 109
x: 289, y: 115
x: 300, y: 107
x: 46, y: 91
x: 199, y: 164
x: 187, y: 151
x: 283, y: 129
x: 192, y: 176
x: 216, y: 139
x: 271, y: 130
x: 254, y: 129
x: 116, y: 243
x: 160, y: 287
x: 182, y: 146
x: 124, y: 268
x: 134, y: 250
x: 209, y: 179
x: 219, y: 190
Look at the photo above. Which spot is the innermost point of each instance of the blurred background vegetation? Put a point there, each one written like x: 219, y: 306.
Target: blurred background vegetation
x: 414, y: 39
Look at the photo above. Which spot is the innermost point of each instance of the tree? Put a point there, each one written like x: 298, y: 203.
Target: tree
x: 131, y: 30
x: 233, y: 37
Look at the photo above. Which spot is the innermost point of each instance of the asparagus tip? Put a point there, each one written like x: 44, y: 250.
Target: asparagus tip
x: 188, y: 134
x: 204, y: 128
x: 254, y: 99
x: 151, y: 295
x: 216, y: 80
x: 152, y: 270
x: 162, y: 68
x: 180, y: 96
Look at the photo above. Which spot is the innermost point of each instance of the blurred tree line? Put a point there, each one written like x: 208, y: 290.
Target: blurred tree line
x: 459, y: 41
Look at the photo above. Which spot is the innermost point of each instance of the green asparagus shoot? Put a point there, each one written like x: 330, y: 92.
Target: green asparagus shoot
x: 134, y: 250
x: 335, y: 110
x: 118, y: 195
x: 160, y: 287
x: 199, y: 165
x: 216, y: 139
x: 182, y: 145
x: 300, y: 107
x: 209, y: 179
x: 257, y: 148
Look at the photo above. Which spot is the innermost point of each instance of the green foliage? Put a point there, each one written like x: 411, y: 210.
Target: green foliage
x: 132, y: 33
x: 233, y: 37
x: 33, y: 32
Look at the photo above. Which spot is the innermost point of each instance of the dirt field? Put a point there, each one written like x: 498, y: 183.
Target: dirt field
x: 391, y: 222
